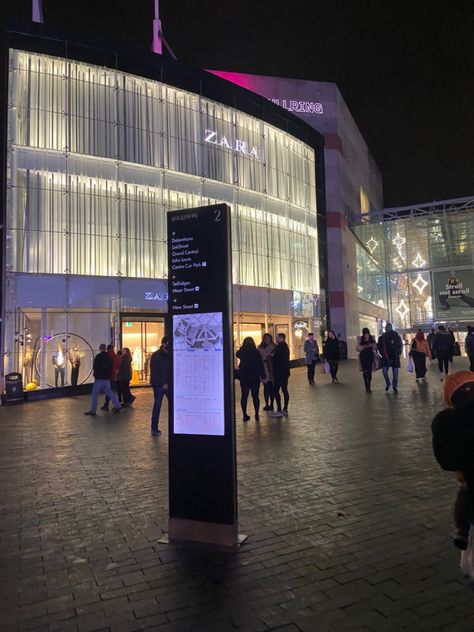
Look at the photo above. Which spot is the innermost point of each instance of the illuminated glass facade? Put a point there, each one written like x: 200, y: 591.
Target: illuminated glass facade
x: 428, y: 261
x: 95, y: 159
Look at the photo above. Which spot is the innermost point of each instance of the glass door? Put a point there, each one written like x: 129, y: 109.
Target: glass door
x: 142, y: 335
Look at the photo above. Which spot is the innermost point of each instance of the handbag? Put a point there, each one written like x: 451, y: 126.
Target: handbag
x: 410, y: 367
x: 377, y: 362
x: 327, y: 368
x: 323, y: 367
x: 466, y: 563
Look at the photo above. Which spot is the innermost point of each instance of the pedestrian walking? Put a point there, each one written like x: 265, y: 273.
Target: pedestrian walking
x: 469, y: 345
x: 251, y: 371
x: 114, y: 381
x: 281, y: 371
x: 267, y: 348
x: 159, y: 379
x: 331, y: 354
x: 443, y: 347
x: 366, y: 348
x: 102, y: 370
x: 419, y: 351
x: 311, y: 350
x: 430, y: 338
x: 125, y: 376
x: 453, y: 446
x: 390, y: 348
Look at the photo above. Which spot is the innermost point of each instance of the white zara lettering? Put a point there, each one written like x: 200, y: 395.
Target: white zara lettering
x: 155, y: 296
x: 238, y: 145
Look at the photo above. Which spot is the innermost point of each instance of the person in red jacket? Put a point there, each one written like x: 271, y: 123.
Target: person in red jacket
x: 114, y: 382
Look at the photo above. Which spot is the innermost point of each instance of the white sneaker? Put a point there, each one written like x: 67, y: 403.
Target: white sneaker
x: 277, y: 414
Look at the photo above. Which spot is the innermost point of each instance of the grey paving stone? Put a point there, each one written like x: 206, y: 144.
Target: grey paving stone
x: 347, y: 513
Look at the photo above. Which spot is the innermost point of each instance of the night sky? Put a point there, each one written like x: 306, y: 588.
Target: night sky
x: 404, y: 67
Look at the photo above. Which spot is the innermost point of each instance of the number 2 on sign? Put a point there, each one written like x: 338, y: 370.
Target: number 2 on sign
x: 217, y: 215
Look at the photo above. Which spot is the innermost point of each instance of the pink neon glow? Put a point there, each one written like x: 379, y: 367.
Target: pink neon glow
x: 250, y: 82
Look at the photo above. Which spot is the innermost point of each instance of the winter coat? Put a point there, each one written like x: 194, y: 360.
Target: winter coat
x: 116, y: 360
x: 470, y: 344
x: 421, y: 346
x: 311, y: 350
x: 331, y: 349
x: 390, y: 347
x: 366, y: 351
x: 267, y: 357
x: 159, y: 368
x: 443, y: 344
x: 125, y: 369
x: 281, y: 361
x: 251, y: 369
x: 102, y: 366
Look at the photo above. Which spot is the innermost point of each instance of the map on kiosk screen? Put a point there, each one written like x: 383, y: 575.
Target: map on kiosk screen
x: 198, y: 374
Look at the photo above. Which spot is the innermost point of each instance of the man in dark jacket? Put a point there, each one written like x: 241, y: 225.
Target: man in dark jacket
x: 102, y: 369
x: 159, y: 379
x: 390, y: 347
x: 470, y: 346
x: 281, y: 373
x: 443, y: 347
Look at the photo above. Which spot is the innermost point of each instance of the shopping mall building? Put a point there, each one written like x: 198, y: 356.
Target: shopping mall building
x: 97, y: 147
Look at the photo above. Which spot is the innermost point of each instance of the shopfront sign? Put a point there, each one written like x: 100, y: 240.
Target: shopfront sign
x: 453, y: 294
x: 202, y: 464
x: 304, y: 107
x: 212, y: 137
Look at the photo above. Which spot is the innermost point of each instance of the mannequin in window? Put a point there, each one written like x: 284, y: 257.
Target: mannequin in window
x: 59, y: 363
x: 28, y: 363
x: 74, y: 356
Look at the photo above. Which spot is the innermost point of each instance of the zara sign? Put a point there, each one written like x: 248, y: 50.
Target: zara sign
x: 237, y: 144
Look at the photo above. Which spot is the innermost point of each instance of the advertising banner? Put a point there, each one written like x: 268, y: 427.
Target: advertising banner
x: 453, y: 294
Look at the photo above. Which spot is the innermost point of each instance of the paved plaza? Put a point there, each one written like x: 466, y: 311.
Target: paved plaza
x: 348, y: 517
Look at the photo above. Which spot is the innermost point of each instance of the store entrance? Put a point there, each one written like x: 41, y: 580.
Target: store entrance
x: 142, y: 335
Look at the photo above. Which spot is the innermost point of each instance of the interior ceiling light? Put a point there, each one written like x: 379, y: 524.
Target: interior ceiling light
x: 372, y: 245
x: 402, y: 309
x: 420, y: 284
x: 418, y: 261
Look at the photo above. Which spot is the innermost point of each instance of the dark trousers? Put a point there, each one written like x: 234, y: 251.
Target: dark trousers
x: 246, y: 388
x: 59, y: 371
x: 463, y: 511
x: 75, y: 374
x: 333, y: 367
x: 281, y: 383
x: 311, y: 369
x: 367, y: 375
x: 443, y: 362
x: 471, y: 360
x: 115, y: 385
x: 268, y: 394
x: 159, y: 393
x: 124, y: 386
x: 419, y: 360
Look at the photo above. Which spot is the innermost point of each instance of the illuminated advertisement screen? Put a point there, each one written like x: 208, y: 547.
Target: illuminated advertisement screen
x: 198, y: 374
x: 453, y: 294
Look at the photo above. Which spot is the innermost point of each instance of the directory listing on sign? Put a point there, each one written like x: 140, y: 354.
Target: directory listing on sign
x: 197, y: 288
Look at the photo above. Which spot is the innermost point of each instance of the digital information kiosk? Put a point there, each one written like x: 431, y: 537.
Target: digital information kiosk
x: 202, y: 456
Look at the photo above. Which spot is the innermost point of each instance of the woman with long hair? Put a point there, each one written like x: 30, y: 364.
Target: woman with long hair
x: 267, y: 349
x: 331, y: 354
x: 125, y: 376
x: 366, y: 347
x: 419, y: 351
x: 251, y: 371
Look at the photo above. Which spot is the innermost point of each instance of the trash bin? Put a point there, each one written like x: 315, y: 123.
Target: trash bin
x: 14, y: 388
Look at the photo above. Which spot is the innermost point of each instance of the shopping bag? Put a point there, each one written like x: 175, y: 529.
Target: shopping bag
x: 377, y: 362
x: 327, y: 368
x: 410, y: 367
x: 323, y: 367
x: 466, y: 563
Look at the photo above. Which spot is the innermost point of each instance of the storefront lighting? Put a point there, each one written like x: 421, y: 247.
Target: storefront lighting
x: 399, y: 241
x: 418, y: 261
x: 359, y: 289
x: 372, y: 245
x: 420, y: 284
x: 428, y: 304
x: 402, y: 309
